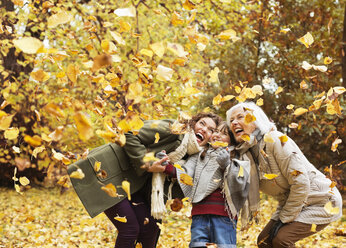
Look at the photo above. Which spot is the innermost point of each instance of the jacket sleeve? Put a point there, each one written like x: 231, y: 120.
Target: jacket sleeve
x: 189, y: 169
x: 290, y: 159
x: 137, y: 145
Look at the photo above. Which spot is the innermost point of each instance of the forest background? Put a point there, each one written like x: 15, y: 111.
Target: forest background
x: 78, y: 74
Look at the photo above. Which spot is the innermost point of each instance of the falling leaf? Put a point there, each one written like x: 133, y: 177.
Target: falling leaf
x: 296, y: 173
x: 306, y: 66
x: 303, y: 85
x: 177, y: 49
x: 77, y: 174
x: 300, y: 111
x: 320, y: 68
x: 110, y: 189
x: 217, y: 100
x: 328, y: 207
x: 60, y: 18
x: 158, y: 48
x: 293, y: 125
x: 177, y: 205
x: 84, y: 127
x: 188, y: 5
x: 33, y: 141
x: 339, y: 90
x: 11, y: 133
x: 219, y: 144
x: 121, y: 219
x: 241, y: 171
x: 54, y: 109
x: 16, y: 149
x: 17, y: 187
x: 177, y: 19
x: 126, y: 187
x: 268, y: 138
x: 259, y: 102
x: 24, y: 181
x: 213, y: 74
x: 290, y: 106
x: 97, y: 166
x: 178, y: 166
x: 283, y: 138
x: 335, y: 144
x: 333, y: 184
x: 72, y: 72
x: 186, y: 179
x: 307, y: 39
x: 270, y: 176
x: 28, y: 45
x: 37, y: 150
x: 228, y: 34
x: 146, y: 52
x: 245, y: 137
x: 327, y: 60
x: 249, y: 118
x: 129, y: 12
x: 117, y: 37
x: 5, y: 121
x: 40, y: 75
x: 313, y: 228
x: 279, y: 90
x: 285, y: 30
x: 164, y: 73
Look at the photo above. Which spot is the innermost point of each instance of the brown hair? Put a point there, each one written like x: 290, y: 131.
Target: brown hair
x: 217, y: 119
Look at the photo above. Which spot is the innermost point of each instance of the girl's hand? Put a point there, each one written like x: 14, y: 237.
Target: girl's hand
x: 157, y: 165
x: 223, y: 157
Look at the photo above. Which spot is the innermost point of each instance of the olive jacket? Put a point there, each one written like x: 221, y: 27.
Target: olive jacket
x: 123, y: 163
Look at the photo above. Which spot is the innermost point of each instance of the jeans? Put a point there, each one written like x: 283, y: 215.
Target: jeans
x: 209, y: 228
x: 140, y: 227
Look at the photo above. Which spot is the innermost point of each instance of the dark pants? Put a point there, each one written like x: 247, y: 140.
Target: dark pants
x: 287, y: 236
x: 140, y: 226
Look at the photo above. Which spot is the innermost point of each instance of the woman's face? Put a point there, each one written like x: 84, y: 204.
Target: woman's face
x: 238, y: 125
x: 220, y: 134
x: 203, y: 129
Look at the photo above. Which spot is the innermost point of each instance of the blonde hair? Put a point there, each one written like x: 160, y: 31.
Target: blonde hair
x: 262, y: 121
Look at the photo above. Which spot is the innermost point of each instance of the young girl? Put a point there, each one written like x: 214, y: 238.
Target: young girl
x: 218, y: 191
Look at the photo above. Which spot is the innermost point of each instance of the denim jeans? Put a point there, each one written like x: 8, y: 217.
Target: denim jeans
x: 209, y: 228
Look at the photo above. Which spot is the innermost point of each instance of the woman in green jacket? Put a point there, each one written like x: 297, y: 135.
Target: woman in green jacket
x: 140, y: 226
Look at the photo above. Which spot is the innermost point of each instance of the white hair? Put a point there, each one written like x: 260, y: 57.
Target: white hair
x: 262, y: 121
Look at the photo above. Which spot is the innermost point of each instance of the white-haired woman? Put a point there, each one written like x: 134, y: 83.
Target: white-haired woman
x: 301, y: 190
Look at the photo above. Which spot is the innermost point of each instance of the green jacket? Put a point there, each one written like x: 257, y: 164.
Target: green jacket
x: 123, y: 163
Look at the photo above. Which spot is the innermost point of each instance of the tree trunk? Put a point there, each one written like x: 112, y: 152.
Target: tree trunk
x: 343, y: 52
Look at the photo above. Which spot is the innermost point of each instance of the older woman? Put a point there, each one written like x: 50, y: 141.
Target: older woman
x: 301, y: 190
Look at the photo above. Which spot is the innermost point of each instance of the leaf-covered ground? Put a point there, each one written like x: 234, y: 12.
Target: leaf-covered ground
x: 45, y: 218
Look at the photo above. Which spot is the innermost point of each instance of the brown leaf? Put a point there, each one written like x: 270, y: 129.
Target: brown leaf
x: 177, y: 205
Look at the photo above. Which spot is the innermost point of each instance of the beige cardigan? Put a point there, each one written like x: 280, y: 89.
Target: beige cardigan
x: 301, y: 189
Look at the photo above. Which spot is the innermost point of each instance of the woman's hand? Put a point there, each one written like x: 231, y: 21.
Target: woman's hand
x: 157, y: 165
x: 223, y: 157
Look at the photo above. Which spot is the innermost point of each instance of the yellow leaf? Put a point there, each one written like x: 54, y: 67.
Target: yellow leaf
x: 228, y: 34
x: 178, y: 167
x: 11, y: 133
x: 237, y: 89
x: 300, y: 111
x: 37, y: 150
x: 327, y: 60
x: 177, y: 49
x: 60, y: 18
x: 335, y: 144
x: 296, y: 173
x: 84, y: 127
x: 158, y: 48
x: 259, y: 102
x: 110, y: 190
x: 268, y: 138
x: 5, y: 122
x: 339, y: 90
x: 77, y: 174
x: 191, y: 91
x: 97, y: 166
x: 270, y: 176
x: 124, y: 26
x: 303, y: 85
x: 285, y: 30
x: 164, y: 73
x: 72, y: 72
x: 121, y: 219
x: 307, y: 39
x: 126, y: 187
x: 129, y: 12
x: 40, y: 75
x: 136, y: 123
x: 245, y: 137
x: 283, y: 138
x: 249, y: 118
x: 176, y: 19
x: 146, y: 52
x: 149, y: 157
x: 293, y: 125
x: 188, y: 5
x: 227, y: 98
x: 33, y: 141
x: 219, y: 144
x: 213, y: 74
x: 217, y: 100
x: 186, y: 179
x: 290, y: 106
x: 185, y: 199
x: 117, y: 37
x: 313, y: 228
x: 279, y: 90
x: 17, y: 187
x: 241, y: 171
x: 28, y: 45
x: 54, y: 109
x: 157, y: 138
x: 24, y: 181
x: 178, y: 128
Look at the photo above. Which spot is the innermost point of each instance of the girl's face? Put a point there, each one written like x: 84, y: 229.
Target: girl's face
x: 203, y: 129
x: 220, y: 134
x: 238, y: 125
